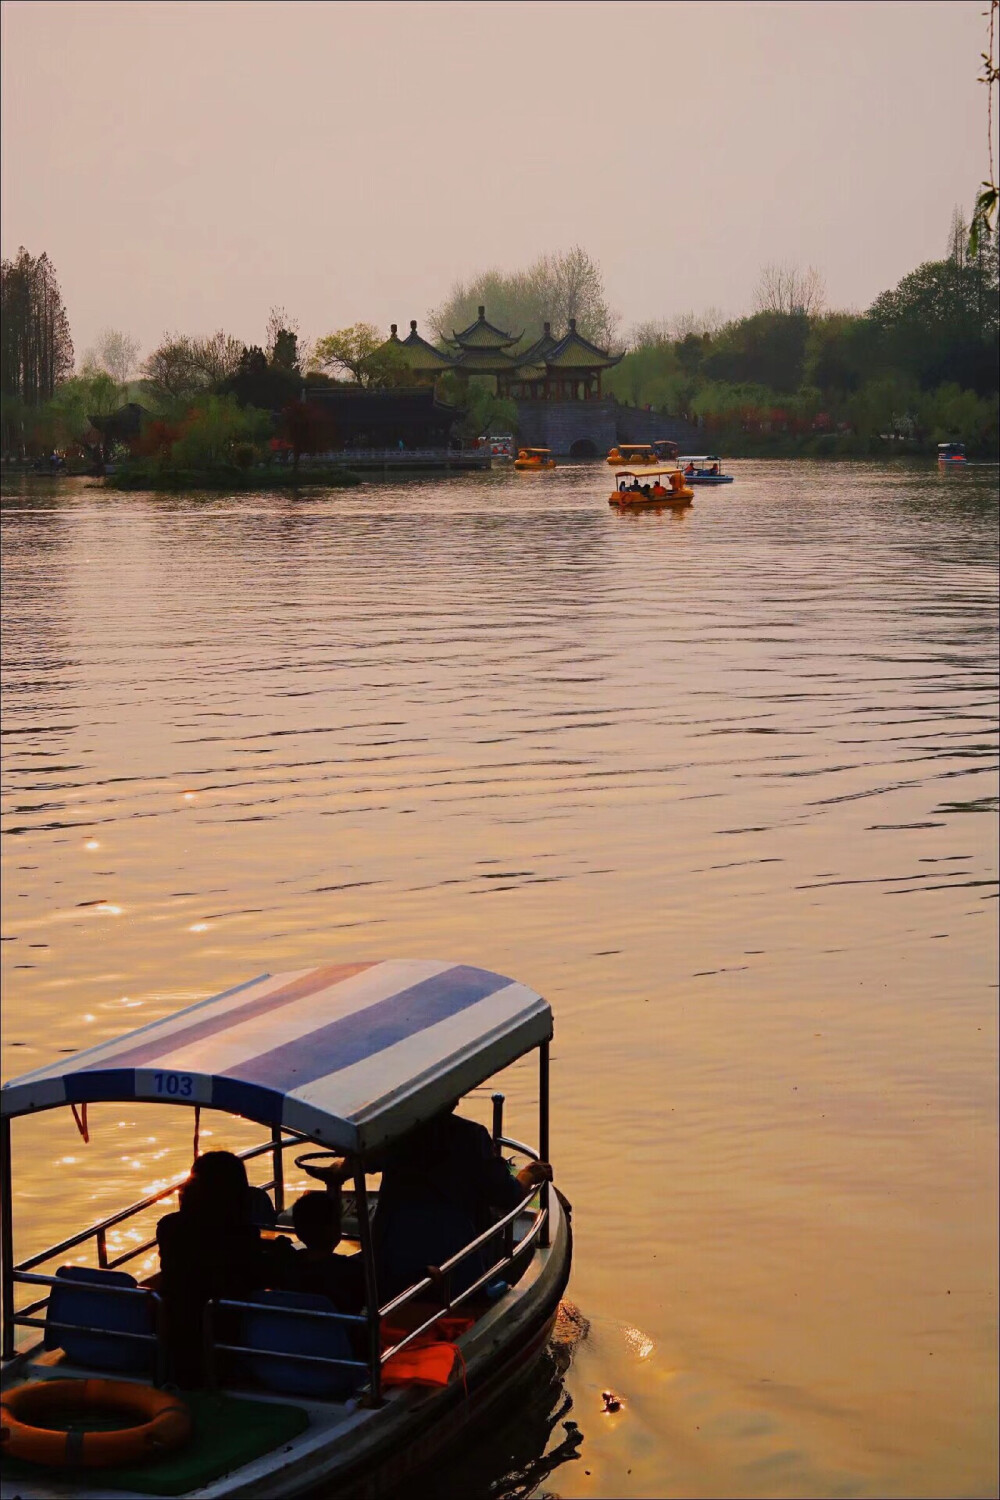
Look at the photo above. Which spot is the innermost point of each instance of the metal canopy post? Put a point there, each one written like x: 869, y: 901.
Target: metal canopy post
x: 278, y: 1169
x: 6, y: 1241
x: 543, y: 1131
x: 371, y: 1289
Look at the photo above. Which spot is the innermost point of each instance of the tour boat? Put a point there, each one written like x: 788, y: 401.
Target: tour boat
x: 703, y: 468
x: 633, y: 453
x: 499, y: 445
x: 534, y: 458
x: 951, y: 455
x: 335, y: 1064
x: 674, y: 493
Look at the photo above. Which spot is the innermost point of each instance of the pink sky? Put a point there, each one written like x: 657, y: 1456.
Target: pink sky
x: 186, y: 166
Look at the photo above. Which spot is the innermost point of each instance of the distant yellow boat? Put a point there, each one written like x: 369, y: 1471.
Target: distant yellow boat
x: 534, y: 458
x: 633, y: 453
x: 652, y: 492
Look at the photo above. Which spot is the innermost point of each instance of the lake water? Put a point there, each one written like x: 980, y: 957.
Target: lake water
x: 720, y: 784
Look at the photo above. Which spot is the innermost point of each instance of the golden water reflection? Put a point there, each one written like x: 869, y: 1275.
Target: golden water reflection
x: 724, y: 792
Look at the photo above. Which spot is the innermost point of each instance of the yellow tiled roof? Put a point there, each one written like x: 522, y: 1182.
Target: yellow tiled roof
x: 574, y: 352
x: 483, y: 361
x: 483, y: 335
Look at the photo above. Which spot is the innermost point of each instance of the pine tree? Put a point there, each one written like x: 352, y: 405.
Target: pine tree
x: 36, y: 350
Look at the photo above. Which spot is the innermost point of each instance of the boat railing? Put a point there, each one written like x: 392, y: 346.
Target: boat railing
x: 512, y: 1252
x: 24, y: 1272
x: 99, y: 1231
x: 332, y: 1318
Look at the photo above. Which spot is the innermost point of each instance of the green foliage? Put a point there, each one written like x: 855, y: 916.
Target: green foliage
x: 63, y: 421
x: 363, y: 353
x: 765, y: 349
x: 485, y: 411
x: 262, y: 384
x: 286, y: 351
x: 482, y: 410
x: 940, y: 323
x: 919, y: 367
x: 211, y: 430
x: 348, y: 350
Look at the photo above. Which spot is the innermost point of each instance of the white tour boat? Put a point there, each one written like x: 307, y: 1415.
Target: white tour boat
x: 335, y: 1062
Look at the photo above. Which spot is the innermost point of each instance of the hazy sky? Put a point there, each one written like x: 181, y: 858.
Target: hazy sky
x: 186, y: 166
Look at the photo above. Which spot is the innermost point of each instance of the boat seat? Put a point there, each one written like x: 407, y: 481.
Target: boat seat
x: 272, y: 1328
x: 96, y: 1316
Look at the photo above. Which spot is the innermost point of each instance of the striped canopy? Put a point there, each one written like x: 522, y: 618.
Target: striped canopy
x: 350, y: 1055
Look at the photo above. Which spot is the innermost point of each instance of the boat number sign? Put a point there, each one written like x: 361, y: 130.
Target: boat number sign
x: 178, y: 1088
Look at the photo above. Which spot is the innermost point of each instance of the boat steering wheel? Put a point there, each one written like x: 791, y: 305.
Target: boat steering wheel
x: 332, y: 1173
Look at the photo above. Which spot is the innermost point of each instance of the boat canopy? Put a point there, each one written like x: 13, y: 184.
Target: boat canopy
x: 351, y: 1055
x: 646, y: 472
x: 698, y: 458
x: 536, y: 450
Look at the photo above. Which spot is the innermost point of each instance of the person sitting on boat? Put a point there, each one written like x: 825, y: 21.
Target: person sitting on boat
x: 317, y: 1221
x: 645, y: 491
x: 714, y: 469
x: 690, y: 468
x: 442, y: 1185
x: 209, y: 1248
x: 658, y: 492
x: 635, y: 486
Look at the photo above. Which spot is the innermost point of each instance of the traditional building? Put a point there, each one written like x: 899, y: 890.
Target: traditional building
x: 556, y: 384
x: 483, y: 349
x: 550, y: 369
x: 385, y: 419
x: 567, y: 369
x: 422, y: 359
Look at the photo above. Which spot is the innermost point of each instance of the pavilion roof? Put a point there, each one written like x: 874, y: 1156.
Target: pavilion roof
x: 574, y: 352
x: 417, y: 353
x: 420, y: 355
x: 484, y: 361
x: 537, y: 351
x: 530, y: 371
x: 484, y: 335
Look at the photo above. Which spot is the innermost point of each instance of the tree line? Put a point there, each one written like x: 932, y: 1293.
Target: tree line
x: 919, y: 366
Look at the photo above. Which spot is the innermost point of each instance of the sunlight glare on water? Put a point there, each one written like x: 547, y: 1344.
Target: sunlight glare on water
x: 720, y: 784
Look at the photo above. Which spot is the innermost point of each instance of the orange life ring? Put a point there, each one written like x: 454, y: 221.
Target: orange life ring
x: 26, y: 1411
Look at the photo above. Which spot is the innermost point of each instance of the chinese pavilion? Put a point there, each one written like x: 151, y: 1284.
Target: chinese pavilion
x: 550, y: 369
x: 567, y: 369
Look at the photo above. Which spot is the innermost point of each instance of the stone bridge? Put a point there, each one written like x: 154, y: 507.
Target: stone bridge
x: 587, y: 429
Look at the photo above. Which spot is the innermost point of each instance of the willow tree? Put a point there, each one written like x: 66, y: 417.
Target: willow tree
x: 36, y: 350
